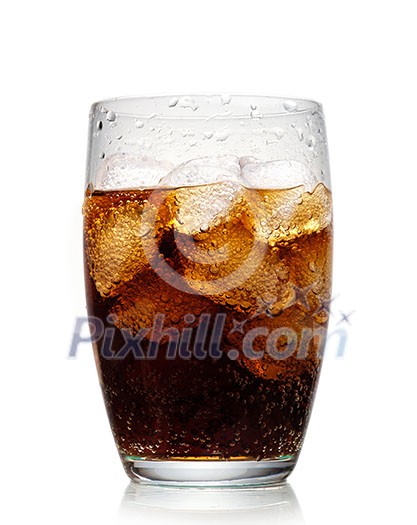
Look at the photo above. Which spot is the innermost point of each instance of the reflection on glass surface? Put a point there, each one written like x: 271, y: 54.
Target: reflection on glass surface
x: 157, y: 504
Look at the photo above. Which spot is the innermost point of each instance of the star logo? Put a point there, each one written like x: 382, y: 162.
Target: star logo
x: 300, y: 296
x: 325, y: 306
x: 345, y: 318
x: 238, y: 327
x: 265, y: 307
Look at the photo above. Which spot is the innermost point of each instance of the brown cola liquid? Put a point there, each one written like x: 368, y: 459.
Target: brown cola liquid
x: 262, y: 261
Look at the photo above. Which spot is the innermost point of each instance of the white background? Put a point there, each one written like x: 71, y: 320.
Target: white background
x: 58, y: 461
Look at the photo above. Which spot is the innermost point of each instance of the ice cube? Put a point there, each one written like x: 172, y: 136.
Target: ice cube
x: 114, y: 246
x: 200, y: 208
x: 269, y: 366
x: 208, y: 190
x: 117, y: 226
x: 283, y: 215
x: 249, y: 278
x: 231, y: 264
x: 203, y: 170
x: 125, y: 170
x: 148, y: 295
x: 276, y: 174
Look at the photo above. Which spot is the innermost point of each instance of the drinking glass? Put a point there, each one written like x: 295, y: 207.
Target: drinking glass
x: 208, y: 247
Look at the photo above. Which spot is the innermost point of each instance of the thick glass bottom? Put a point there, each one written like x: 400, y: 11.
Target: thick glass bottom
x: 210, y: 473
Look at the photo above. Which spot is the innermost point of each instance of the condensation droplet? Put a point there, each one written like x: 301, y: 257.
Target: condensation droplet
x: 139, y: 124
x: 110, y: 116
x: 208, y: 134
x: 255, y: 113
x: 173, y: 102
x: 278, y: 132
x: 187, y: 102
x: 187, y: 132
x: 222, y: 135
x: 225, y: 98
x: 99, y: 126
x: 102, y: 155
x: 311, y: 142
x: 300, y: 133
x: 290, y: 106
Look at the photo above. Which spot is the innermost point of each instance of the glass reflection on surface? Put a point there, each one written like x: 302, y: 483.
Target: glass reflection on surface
x: 155, y: 504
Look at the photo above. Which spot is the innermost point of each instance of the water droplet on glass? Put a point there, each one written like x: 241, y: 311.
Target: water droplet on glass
x: 300, y: 134
x: 290, y: 106
x: 188, y: 102
x: 255, y: 113
x: 119, y: 137
x: 187, y: 133
x: 278, y: 132
x: 99, y: 126
x: 139, y: 124
x: 208, y: 134
x: 173, y: 102
x: 311, y: 142
x: 225, y: 98
x: 222, y: 135
x: 110, y: 116
x: 102, y: 155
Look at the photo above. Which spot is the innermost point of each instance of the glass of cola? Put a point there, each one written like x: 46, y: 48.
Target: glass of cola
x: 208, y: 258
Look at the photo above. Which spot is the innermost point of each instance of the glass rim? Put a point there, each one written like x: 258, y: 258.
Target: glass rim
x: 285, y: 106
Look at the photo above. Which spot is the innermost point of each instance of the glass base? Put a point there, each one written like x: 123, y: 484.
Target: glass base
x: 212, y: 473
